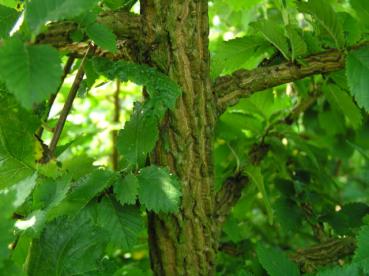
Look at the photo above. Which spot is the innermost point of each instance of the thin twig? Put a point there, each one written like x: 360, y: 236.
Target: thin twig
x: 69, y: 102
x: 67, y: 67
x: 114, y: 156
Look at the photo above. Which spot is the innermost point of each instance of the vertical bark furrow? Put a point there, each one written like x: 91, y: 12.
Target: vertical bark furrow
x: 184, y: 244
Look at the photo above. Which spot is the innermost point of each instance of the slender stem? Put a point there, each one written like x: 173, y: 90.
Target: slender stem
x: 67, y: 67
x: 115, y: 156
x: 69, y: 102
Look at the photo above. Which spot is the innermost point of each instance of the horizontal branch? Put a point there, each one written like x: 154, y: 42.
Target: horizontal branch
x: 243, y: 83
x: 125, y: 25
x: 329, y: 252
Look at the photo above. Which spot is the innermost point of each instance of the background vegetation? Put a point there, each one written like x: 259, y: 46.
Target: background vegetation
x: 300, y: 148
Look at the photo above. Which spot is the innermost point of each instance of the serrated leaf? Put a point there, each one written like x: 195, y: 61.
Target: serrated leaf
x: 67, y: 247
x: 17, y: 143
x: 126, y: 190
x: 81, y: 192
x: 257, y: 178
x: 273, y: 32
x: 342, y: 101
x: 38, y: 12
x: 276, y: 262
x: 102, y: 36
x: 357, y: 71
x: 139, y: 135
x: 8, y: 17
x: 348, y: 218
x: 123, y: 224
x: 326, y: 17
x: 158, y: 85
x: 362, y: 251
x: 31, y: 72
x: 159, y: 189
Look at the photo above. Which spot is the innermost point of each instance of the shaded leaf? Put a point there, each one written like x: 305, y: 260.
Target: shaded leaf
x: 326, y: 17
x: 357, y: 71
x: 81, y: 192
x: 139, y: 135
x: 342, y: 101
x: 8, y: 17
x: 67, y: 247
x: 276, y: 262
x: 257, y: 178
x: 123, y: 223
x: 126, y: 190
x: 38, y: 12
x: 362, y: 251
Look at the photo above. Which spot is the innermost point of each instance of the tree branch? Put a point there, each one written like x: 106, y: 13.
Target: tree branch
x: 68, y: 103
x: 125, y: 25
x: 243, y: 83
x: 328, y: 252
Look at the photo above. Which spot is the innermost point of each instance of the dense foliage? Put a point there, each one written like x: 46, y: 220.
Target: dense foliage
x: 76, y: 204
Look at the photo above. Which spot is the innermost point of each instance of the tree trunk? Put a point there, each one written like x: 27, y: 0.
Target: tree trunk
x: 175, y: 36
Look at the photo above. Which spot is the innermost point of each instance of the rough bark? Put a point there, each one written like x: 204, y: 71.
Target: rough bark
x: 242, y: 83
x: 176, y: 39
x: 125, y: 25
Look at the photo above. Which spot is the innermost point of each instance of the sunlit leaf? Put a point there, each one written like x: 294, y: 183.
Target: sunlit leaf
x: 31, y: 72
x: 159, y: 189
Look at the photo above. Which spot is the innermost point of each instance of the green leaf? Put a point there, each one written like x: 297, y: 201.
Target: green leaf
x: 257, y: 178
x: 50, y: 192
x: 276, y: 262
x: 17, y: 143
x: 9, y: 3
x: 139, y: 135
x: 38, y: 12
x: 357, y: 71
x: 159, y: 189
x: 158, y: 85
x: 243, y: 52
x: 82, y: 192
x: 23, y: 189
x: 102, y: 36
x: 297, y: 43
x: 347, y: 270
x: 123, y: 224
x: 362, y: 10
x: 126, y: 190
x: 124, y: 4
x: 288, y: 214
x: 6, y: 226
x: 31, y: 72
x: 362, y: 251
x: 273, y: 32
x: 8, y: 17
x: 348, y: 218
x: 326, y: 17
x: 67, y: 247
x: 342, y: 101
